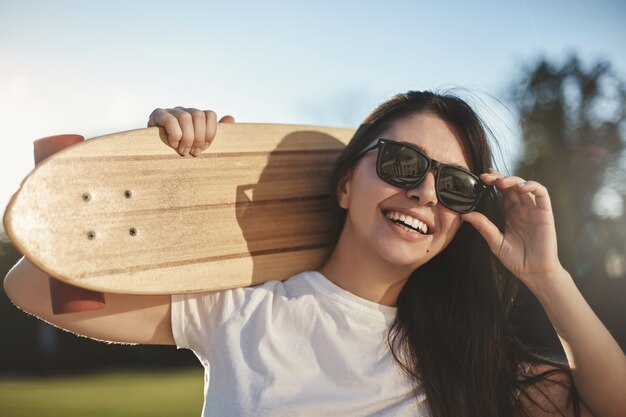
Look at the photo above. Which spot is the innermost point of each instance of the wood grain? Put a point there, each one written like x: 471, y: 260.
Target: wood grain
x: 125, y: 213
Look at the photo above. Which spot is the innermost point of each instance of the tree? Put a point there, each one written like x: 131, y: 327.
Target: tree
x: 573, y: 121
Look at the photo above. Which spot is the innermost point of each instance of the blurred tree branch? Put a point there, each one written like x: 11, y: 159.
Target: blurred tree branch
x: 573, y: 122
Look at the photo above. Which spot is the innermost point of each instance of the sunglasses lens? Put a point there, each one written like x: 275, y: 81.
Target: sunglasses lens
x: 404, y: 167
x: 457, y: 189
x: 400, y: 165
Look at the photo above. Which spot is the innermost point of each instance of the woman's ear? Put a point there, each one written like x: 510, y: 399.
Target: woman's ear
x: 343, y: 191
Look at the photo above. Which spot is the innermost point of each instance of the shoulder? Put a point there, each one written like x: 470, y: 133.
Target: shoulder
x: 195, y: 315
x: 230, y: 300
x: 552, y: 394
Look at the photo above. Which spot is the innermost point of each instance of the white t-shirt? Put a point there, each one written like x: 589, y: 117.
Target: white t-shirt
x: 303, y: 347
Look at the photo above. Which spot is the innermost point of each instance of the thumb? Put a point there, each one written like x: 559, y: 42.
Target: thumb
x: 227, y: 119
x: 486, y: 228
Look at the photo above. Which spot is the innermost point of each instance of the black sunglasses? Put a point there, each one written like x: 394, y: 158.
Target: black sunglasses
x: 405, y: 166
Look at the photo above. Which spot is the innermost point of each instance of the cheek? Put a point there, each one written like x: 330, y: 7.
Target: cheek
x: 363, y: 187
x: 451, y: 223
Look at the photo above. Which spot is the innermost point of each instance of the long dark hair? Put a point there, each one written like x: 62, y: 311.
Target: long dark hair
x: 451, y: 335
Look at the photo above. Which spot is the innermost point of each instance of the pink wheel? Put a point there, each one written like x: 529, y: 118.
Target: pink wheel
x: 45, y: 147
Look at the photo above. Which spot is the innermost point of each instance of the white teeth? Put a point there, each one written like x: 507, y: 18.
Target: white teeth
x: 409, y: 223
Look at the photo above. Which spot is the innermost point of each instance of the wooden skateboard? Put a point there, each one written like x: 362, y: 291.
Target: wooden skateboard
x: 124, y: 213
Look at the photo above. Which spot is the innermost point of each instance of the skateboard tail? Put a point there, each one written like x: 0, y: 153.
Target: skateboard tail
x: 66, y: 298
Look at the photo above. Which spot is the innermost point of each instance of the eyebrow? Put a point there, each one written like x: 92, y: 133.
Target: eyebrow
x: 423, y: 150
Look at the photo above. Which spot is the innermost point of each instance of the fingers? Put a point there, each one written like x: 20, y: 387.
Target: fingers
x: 539, y: 193
x: 190, y: 131
x: 516, y: 190
x: 190, y: 121
x: 209, y: 132
x: 165, y: 119
x: 227, y: 119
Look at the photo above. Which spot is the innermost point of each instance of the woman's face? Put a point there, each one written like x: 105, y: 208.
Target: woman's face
x: 370, y: 202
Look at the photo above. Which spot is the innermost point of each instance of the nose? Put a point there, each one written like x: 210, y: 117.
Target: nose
x: 425, y: 192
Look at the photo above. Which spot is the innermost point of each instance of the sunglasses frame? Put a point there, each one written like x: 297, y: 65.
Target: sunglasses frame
x: 432, y: 163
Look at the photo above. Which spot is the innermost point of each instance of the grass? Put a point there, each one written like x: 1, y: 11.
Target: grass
x: 110, y: 394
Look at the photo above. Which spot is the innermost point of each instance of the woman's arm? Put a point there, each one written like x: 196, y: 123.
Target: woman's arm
x: 528, y: 249
x: 598, y: 364
x: 124, y: 318
x: 550, y: 397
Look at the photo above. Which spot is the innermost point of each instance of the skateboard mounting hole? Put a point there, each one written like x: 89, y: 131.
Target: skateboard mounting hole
x: 86, y: 197
x: 91, y: 235
x: 128, y: 194
x: 132, y: 231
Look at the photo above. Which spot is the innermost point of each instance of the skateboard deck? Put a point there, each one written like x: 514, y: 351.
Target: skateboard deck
x: 124, y: 213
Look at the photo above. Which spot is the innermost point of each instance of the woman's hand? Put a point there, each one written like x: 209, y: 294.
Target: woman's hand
x: 528, y: 247
x: 190, y: 131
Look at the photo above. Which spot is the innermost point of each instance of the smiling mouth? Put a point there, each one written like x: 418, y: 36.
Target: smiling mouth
x: 407, y: 222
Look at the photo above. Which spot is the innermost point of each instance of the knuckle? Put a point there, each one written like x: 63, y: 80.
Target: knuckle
x: 166, y: 117
x: 156, y: 112
x: 171, y: 125
x: 160, y: 117
x: 196, y: 114
x: 187, y: 135
x: 173, y: 136
x: 173, y: 142
x: 183, y: 116
x: 211, y: 125
x: 186, y: 139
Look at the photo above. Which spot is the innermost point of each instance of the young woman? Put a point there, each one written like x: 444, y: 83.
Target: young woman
x: 408, y: 316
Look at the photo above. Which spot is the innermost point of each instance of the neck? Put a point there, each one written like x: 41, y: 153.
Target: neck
x: 368, y: 277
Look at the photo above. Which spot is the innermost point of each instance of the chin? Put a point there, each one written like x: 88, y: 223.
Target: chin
x: 412, y: 259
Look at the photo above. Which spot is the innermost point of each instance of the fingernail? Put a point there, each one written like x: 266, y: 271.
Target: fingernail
x: 195, y: 151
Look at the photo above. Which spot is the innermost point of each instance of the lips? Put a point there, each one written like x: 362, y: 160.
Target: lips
x: 406, y: 221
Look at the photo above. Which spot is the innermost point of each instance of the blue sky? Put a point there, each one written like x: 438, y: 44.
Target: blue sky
x: 99, y: 67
